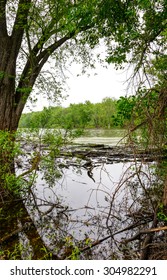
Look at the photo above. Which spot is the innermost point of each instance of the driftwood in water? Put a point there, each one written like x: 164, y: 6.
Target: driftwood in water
x: 111, y: 153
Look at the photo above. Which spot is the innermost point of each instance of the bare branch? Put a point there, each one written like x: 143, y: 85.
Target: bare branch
x: 98, y: 242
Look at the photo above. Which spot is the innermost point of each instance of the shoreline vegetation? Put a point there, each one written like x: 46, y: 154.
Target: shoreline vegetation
x: 107, y: 114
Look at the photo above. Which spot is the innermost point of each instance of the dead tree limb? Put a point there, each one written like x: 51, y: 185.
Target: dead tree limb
x: 98, y: 242
x: 147, y: 231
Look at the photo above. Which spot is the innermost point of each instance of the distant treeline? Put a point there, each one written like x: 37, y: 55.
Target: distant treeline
x: 107, y: 114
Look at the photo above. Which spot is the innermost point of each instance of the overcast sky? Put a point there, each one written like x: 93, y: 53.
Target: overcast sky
x: 106, y: 83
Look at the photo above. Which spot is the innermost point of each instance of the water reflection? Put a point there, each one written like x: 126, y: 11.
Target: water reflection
x: 83, y: 206
x: 94, y: 194
x: 85, y: 197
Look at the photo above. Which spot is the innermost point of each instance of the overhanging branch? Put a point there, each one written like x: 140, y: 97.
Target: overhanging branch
x: 43, y: 56
x: 32, y: 70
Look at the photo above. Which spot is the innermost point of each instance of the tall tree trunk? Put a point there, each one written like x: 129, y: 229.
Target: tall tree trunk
x: 13, y: 97
x: 8, y: 118
x: 13, y: 214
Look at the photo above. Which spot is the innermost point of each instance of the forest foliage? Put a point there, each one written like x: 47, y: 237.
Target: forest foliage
x: 106, y: 114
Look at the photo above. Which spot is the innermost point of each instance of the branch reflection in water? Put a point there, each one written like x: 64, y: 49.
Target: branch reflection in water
x: 91, y: 202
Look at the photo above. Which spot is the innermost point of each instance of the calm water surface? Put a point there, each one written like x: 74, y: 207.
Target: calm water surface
x: 88, y: 200
x: 101, y: 136
x: 87, y: 195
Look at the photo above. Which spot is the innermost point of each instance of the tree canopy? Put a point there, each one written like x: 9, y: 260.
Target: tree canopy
x: 76, y: 116
x: 33, y: 31
x: 30, y: 32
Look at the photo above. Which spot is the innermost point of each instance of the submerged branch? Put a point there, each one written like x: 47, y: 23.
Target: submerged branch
x: 147, y: 231
x: 97, y: 242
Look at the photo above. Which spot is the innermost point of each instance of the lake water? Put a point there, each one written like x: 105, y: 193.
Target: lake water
x: 102, y: 136
x: 85, y: 197
x: 88, y: 201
